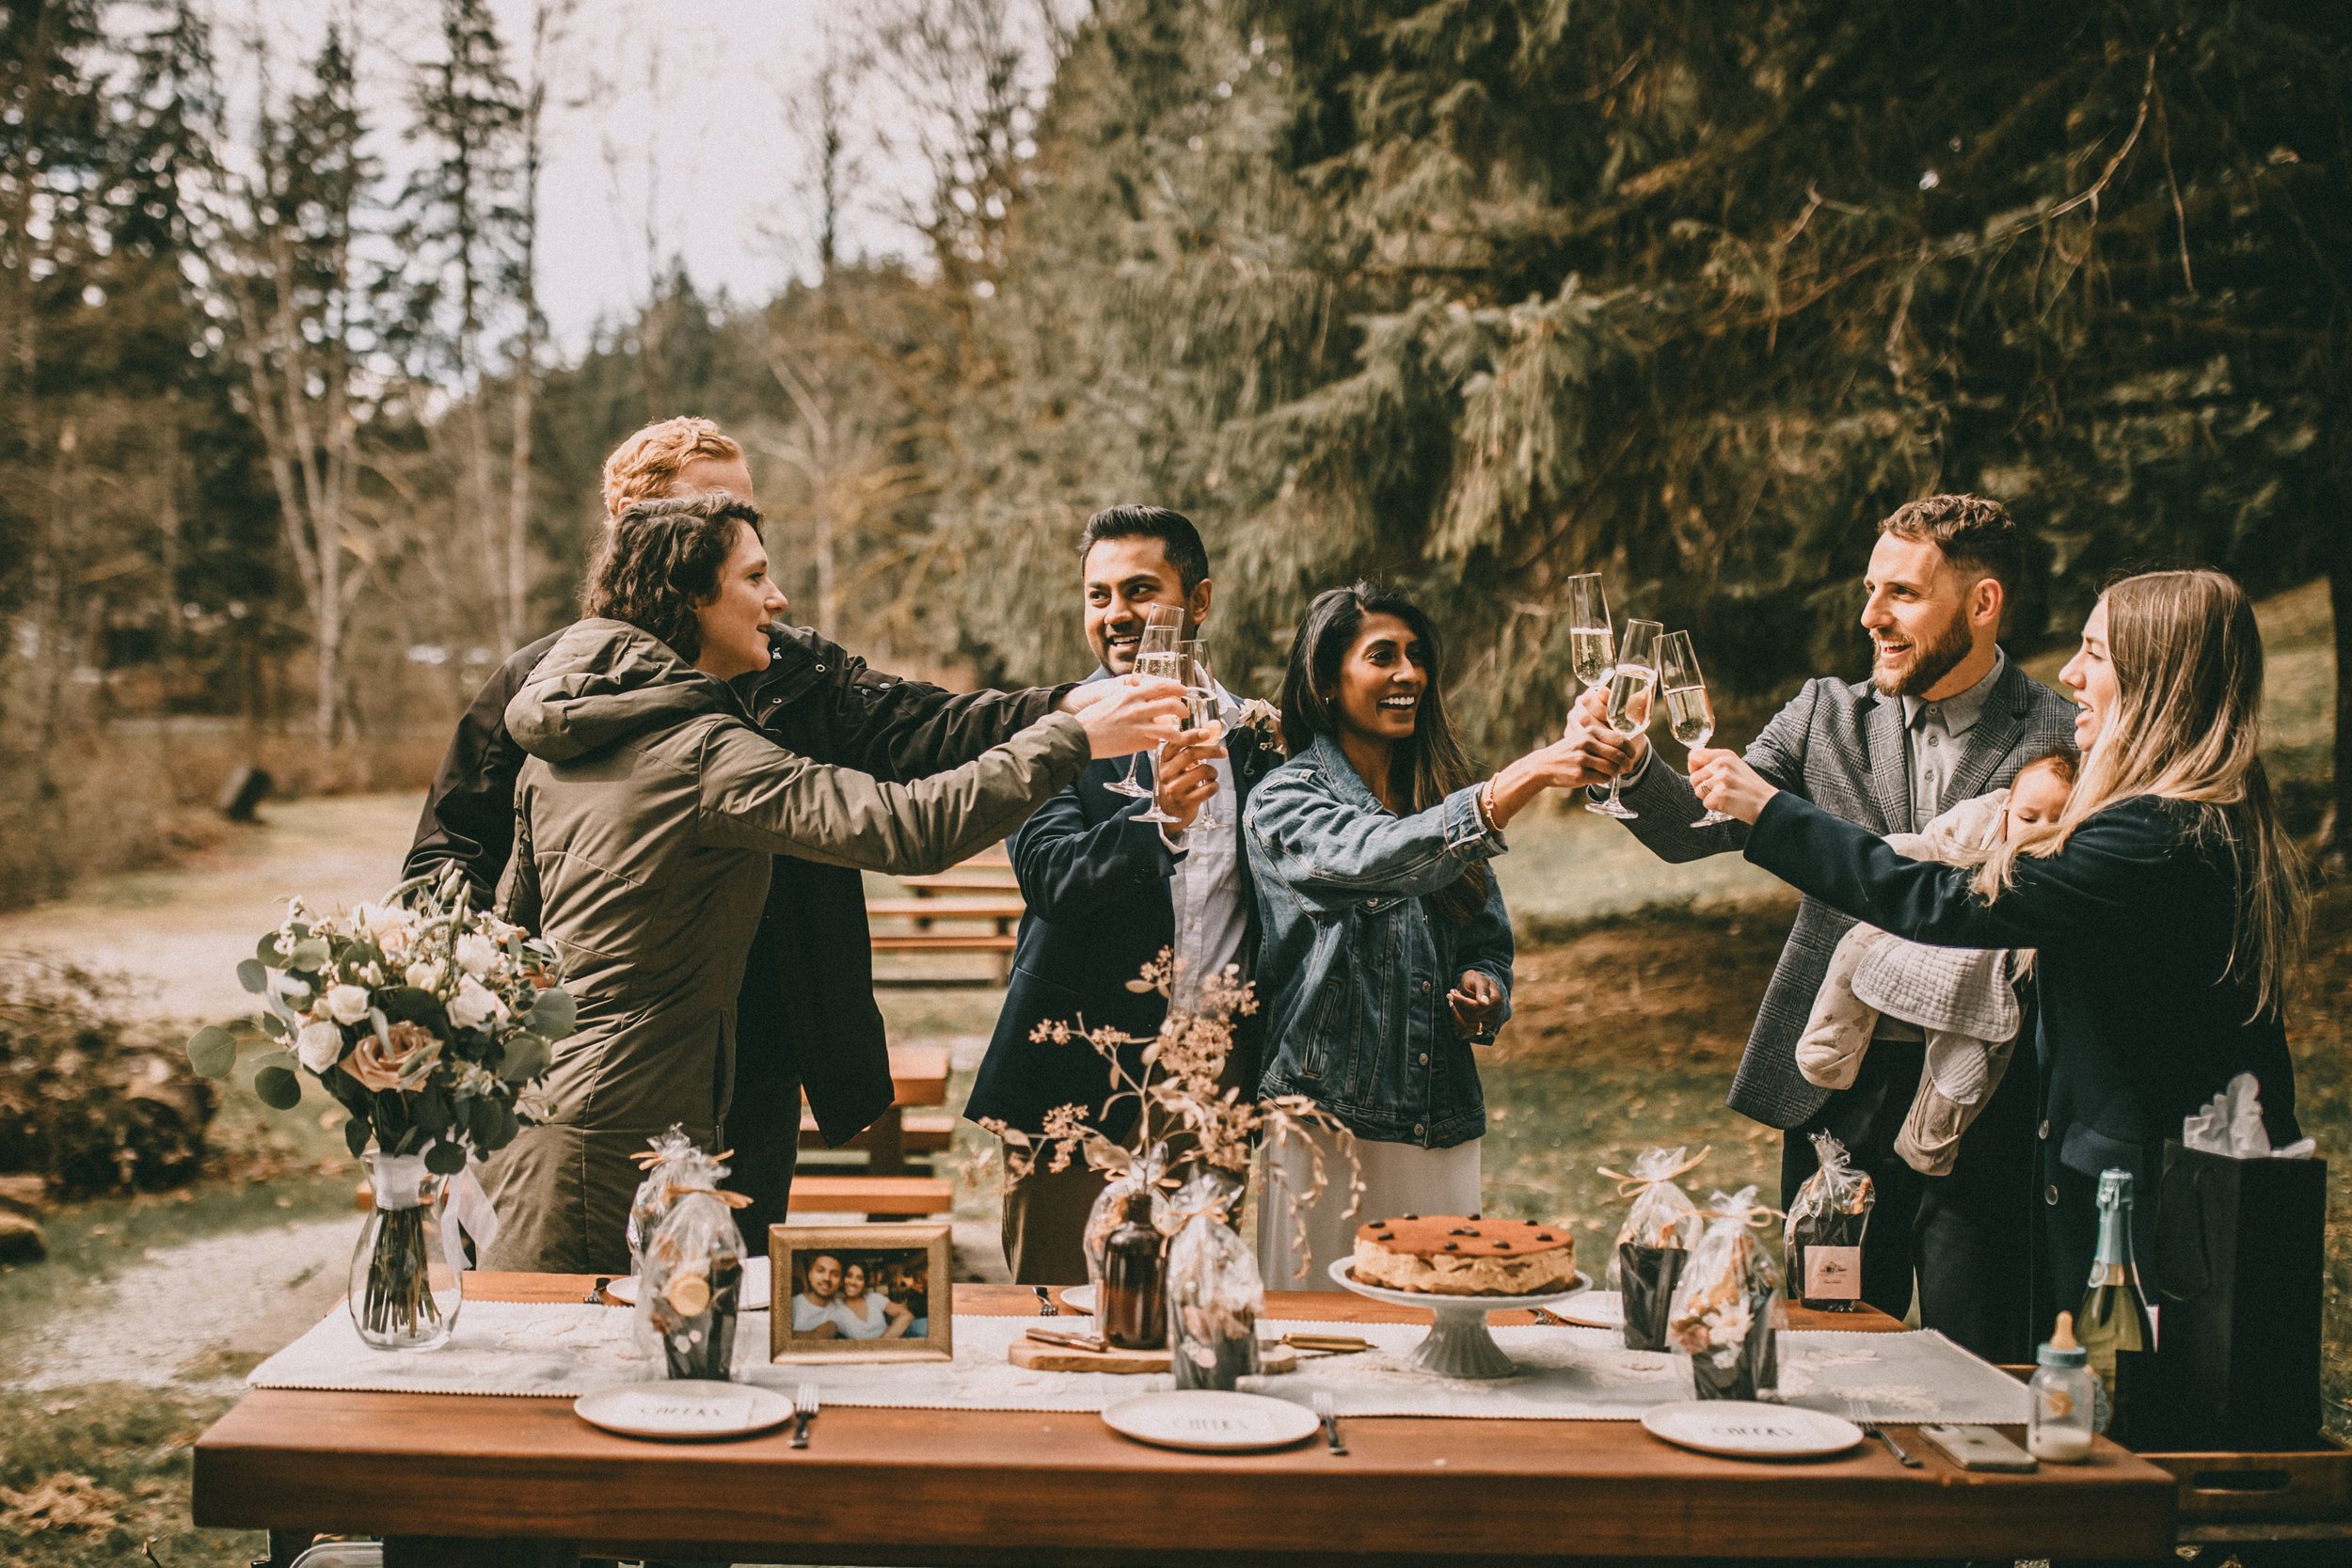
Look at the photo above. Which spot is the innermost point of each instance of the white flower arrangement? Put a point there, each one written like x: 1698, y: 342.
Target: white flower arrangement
x: 424, y: 1017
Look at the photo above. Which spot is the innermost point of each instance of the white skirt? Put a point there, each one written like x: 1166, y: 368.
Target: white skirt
x: 1399, y: 1179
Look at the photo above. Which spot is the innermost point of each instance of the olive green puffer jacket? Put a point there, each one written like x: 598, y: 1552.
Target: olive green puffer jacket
x: 649, y: 809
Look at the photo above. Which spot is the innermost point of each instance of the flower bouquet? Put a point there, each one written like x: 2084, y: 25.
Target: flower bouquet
x: 1190, y: 1126
x: 426, y: 1020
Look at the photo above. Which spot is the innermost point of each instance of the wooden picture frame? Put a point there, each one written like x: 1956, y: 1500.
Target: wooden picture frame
x: 893, y: 1268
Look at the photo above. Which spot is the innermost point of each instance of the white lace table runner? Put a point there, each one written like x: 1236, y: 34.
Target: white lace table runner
x: 1571, y: 1374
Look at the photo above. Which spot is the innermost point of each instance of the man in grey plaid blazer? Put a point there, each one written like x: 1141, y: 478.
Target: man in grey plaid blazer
x: 1945, y: 714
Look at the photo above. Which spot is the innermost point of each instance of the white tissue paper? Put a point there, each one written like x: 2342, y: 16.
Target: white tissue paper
x: 2233, y: 1125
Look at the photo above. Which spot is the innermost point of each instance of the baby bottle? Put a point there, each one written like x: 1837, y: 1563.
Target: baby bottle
x: 2064, y: 1391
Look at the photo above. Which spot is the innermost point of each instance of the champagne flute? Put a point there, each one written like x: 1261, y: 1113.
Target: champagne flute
x: 1163, y: 630
x: 1688, y: 714
x: 1631, y: 680
x: 1160, y: 654
x: 1205, y: 706
x: 1589, y: 640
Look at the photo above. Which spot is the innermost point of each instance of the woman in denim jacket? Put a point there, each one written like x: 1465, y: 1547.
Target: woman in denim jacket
x: 1386, y: 952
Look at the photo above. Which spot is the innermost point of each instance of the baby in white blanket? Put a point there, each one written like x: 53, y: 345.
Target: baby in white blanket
x: 1963, y: 998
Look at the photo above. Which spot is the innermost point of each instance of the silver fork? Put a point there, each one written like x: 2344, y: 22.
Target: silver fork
x: 1330, y: 1421
x: 1861, y: 1417
x: 1045, y: 1307
x: 805, y: 1408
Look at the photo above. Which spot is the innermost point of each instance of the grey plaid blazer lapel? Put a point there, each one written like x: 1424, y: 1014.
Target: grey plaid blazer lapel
x: 1992, y: 737
x: 1890, y: 764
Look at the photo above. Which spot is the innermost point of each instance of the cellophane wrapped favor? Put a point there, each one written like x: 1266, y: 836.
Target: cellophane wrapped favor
x: 1726, y: 1307
x: 662, y: 1157
x: 1661, y: 1227
x: 1215, y: 1293
x: 1826, y: 1222
x: 690, y: 1282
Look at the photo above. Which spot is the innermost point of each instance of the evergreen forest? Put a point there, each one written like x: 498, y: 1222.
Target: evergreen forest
x: 1466, y: 295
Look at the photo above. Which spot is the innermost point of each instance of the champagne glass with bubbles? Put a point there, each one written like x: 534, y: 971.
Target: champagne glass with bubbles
x: 1590, y: 642
x: 1156, y: 654
x: 1689, y: 714
x: 1631, y: 680
x: 1204, y: 705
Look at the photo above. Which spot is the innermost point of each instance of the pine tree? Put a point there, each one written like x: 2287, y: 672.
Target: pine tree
x: 462, y: 231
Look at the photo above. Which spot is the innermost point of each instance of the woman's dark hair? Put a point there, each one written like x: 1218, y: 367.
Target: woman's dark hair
x: 1424, y: 769
x: 660, y: 560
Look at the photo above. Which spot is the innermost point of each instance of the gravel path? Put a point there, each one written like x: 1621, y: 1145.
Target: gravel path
x: 167, y: 1323
x: 179, y: 934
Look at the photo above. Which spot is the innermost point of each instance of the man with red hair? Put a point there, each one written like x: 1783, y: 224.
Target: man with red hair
x: 806, y: 1018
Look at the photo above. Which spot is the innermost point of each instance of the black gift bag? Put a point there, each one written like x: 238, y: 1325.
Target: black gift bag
x: 1646, y: 1276
x: 2240, y: 1261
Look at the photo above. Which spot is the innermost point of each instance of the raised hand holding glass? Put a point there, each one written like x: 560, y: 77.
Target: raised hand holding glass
x: 1631, y: 680
x: 1688, y: 713
x: 1155, y: 654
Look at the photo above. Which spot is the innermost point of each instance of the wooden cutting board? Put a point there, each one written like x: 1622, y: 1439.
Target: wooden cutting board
x: 1061, y: 1358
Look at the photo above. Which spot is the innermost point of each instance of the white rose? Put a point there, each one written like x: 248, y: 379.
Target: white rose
x: 476, y: 952
x: 474, y: 1006
x: 348, y: 1003
x: 318, y: 1045
x: 424, y: 975
x: 381, y: 918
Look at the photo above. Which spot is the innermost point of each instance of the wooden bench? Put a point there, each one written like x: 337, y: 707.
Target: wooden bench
x: 919, y: 1132
x: 1003, y: 913
x: 918, y: 1077
x: 878, y: 1197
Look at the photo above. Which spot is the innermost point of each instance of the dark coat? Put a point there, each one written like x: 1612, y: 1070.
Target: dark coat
x: 1097, y: 885
x: 2140, y: 1022
x: 806, y: 1009
x: 1838, y: 744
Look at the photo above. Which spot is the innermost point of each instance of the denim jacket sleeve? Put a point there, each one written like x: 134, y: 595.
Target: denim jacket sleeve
x: 1333, y: 852
x: 1484, y: 944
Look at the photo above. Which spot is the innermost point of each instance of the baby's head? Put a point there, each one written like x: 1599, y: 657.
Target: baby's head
x: 2039, y: 790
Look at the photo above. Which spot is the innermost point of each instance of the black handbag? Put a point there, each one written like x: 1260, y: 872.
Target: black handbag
x: 2240, y: 1270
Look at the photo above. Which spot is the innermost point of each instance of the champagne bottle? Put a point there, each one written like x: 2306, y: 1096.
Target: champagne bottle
x: 2113, y: 1324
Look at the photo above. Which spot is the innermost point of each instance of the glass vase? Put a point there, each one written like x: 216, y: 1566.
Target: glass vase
x: 404, y: 1291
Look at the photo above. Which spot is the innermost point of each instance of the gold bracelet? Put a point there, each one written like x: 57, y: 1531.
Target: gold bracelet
x: 1487, y: 805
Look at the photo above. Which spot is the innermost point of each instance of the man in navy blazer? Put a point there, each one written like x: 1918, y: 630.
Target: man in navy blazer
x: 1107, y: 892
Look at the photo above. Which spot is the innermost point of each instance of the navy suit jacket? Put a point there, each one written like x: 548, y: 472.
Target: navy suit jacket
x: 1100, y: 908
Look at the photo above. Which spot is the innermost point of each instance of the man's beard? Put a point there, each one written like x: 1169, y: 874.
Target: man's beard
x: 1929, y: 662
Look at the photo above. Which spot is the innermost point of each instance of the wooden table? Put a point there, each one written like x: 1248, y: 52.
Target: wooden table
x: 524, y: 1480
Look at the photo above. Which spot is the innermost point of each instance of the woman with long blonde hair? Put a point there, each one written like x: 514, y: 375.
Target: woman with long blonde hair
x: 2166, y: 900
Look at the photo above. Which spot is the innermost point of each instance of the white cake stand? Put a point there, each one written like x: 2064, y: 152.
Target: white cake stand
x: 1457, y: 1343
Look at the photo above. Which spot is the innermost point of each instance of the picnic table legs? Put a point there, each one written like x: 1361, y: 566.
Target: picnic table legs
x: 440, y: 1551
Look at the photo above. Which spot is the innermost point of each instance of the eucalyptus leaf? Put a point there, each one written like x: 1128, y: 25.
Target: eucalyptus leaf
x: 527, y: 1056
x: 213, y: 1051
x: 253, y: 974
x: 278, y: 1088
x: 554, y: 1014
x: 268, y: 953
x: 445, y: 1158
x: 274, y: 1026
x: 310, y: 955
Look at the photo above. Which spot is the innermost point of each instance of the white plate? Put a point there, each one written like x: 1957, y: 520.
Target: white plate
x: 1344, y: 1276
x: 684, y: 1408
x: 1079, y: 1298
x: 1747, y: 1429
x: 1594, y: 1309
x: 1212, y: 1421
x: 753, y: 1298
